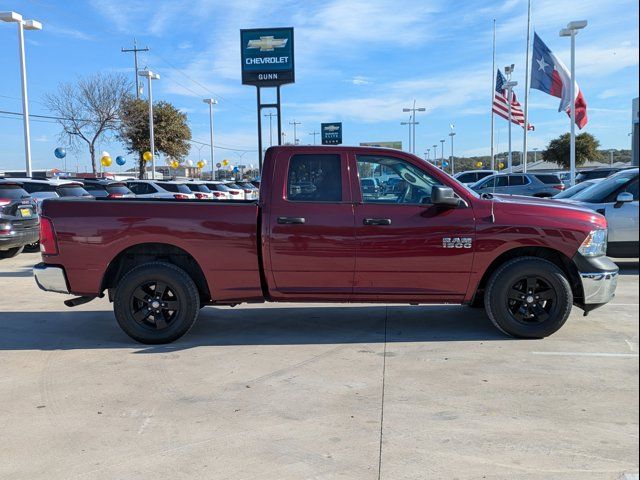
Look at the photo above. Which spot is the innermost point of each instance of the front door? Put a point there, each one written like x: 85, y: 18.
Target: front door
x: 311, y: 236
x: 408, y: 248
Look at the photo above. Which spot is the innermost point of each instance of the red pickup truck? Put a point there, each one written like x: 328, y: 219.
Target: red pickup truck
x: 315, y: 236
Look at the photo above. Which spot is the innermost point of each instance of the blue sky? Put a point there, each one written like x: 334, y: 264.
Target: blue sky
x: 357, y: 61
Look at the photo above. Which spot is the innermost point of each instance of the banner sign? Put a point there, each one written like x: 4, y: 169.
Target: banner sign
x: 331, y: 133
x: 267, y: 56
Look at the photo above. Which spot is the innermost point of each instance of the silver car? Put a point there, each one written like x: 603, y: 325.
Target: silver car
x: 616, y: 197
x: 160, y: 189
x: 542, y: 185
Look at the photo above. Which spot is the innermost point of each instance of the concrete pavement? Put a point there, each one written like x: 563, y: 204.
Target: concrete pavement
x: 289, y: 391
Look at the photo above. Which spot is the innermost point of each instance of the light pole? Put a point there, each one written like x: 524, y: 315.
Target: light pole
x: 571, y: 31
x: 151, y: 76
x: 409, y: 123
x: 314, y: 133
x: 295, y: 132
x: 453, y: 168
x: 435, y: 155
x: 211, y: 102
x: 442, y: 153
x: 535, y: 155
x: 509, y: 85
x: 611, y: 157
x: 22, y: 25
x: 413, y: 111
x: 427, y: 154
x: 270, y: 115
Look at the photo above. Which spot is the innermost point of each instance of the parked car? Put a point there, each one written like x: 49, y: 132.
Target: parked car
x: 577, y: 188
x: 41, y: 188
x: 102, y: 187
x: 370, y: 187
x: 530, y: 184
x: 200, y: 190
x: 160, y: 189
x: 527, y: 260
x: 236, y: 192
x: 393, y: 185
x: 473, y: 176
x: 219, y: 190
x: 19, y: 224
x: 615, y: 197
x: 250, y: 192
x: 590, y: 174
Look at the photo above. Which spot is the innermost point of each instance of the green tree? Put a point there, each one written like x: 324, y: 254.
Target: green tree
x: 586, y: 149
x: 170, y: 130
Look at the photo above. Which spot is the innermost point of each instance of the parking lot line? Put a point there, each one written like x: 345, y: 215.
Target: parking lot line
x: 588, y: 354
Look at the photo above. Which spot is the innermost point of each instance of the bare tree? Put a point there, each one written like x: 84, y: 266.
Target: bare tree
x: 89, y: 110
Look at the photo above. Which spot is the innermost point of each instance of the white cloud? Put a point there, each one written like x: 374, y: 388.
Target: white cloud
x: 360, y: 80
x: 67, y: 32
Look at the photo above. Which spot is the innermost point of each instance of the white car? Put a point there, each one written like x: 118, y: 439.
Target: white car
x: 237, y: 192
x: 200, y: 190
x: 160, y: 189
x: 219, y: 190
x: 470, y: 177
x: 616, y: 197
x: 250, y: 191
x: 41, y: 188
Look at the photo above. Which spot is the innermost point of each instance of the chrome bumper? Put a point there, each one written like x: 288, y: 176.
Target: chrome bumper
x: 599, y: 287
x: 50, y: 278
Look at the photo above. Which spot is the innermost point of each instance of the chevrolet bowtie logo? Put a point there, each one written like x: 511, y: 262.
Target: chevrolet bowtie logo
x: 268, y: 43
x: 331, y: 128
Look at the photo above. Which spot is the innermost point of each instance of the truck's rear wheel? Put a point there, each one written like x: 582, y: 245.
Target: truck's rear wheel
x: 12, y: 252
x: 528, y: 297
x: 156, y: 303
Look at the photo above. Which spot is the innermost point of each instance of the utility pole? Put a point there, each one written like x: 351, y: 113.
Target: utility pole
x: 135, y: 51
x: 509, y: 85
x: 413, y: 111
x: 427, y: 154
x: 211, y: 102
x: 453, y: 168
x: 442, y: 153
x: 435, y: 155
x: 314, y: 133
x: 270, y: 115
x: 411, y: 123
x: 295, y: 132
x: 150, y: 76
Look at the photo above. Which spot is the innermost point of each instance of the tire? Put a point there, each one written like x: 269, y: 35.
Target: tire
x: 12, y: 252
x: 515, y: 311
x: 32, y: 247
x: 135, y: 300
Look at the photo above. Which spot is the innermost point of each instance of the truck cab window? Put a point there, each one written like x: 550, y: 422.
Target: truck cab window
x: 314, y: 178
x: 400, y: 181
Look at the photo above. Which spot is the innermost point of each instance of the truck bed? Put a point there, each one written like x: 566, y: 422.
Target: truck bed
x: 221, y: 237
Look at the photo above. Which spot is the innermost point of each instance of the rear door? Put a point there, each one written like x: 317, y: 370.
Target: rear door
x: 407, y: 248
x: 311, y: 239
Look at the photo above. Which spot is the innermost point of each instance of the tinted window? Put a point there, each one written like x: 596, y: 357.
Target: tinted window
x: 38, y: 187
x: 12, y: 192
x: 602, y: 191
x: 218, y: 187
x: 467, y: 177
x: 314, y: 178
x: 549, y: 179
x: 367, y: 182
x: 71, y: 191
x: 632, y: 188
x: 570, y: 192
x: 141, y: 188
x: 174, y: 187
x: 198, y: 187
x: 118, y: 188
x: 516, y: 180
x: 502, y: 181
x: 414, y: 186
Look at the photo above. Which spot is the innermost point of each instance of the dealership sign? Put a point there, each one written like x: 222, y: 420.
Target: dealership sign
x: 331, y: 133
x: 267, y: 56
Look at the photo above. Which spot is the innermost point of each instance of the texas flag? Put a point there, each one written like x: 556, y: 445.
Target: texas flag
x: 550, y: 75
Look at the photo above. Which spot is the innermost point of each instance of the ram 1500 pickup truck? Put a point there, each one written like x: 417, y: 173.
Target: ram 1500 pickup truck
x: 314, y: 235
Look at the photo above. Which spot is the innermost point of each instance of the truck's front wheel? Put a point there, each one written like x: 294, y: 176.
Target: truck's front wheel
x: 528, y: 297
x: 156, y: 303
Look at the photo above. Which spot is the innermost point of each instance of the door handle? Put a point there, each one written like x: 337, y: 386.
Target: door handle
x: 291, y: 220
x: 376, y: 221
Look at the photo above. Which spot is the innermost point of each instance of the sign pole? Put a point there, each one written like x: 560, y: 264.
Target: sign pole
x: 259, y: 129
x: 279, y: 110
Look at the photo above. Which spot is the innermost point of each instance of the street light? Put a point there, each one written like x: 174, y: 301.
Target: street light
x: 535, y: 155
x: 413, y: 123
x: 453, y: 168
x: 509, y: 84
x: 435, y: 155
x: 571, y: 31
x: 211, y: 103
x: 410, y: 123
x: 13, y: 17
x: 151, y: 76
x: 442, y: 153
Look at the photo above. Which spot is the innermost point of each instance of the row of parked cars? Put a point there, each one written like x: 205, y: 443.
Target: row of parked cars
x: 21, y: 198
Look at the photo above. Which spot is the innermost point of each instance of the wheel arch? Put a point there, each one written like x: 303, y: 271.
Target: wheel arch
x: 141, y: 253
x: 554, y: 256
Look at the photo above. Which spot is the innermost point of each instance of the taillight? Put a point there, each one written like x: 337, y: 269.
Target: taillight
x: 4, y: 201
x: 247, y: 190
x: 48, y: 241
x: 115, y: 195
x: 217, y: 194
x: 234, y: 192
x: 201, y: 195
x: 180, y: 196
x: 559, y: 187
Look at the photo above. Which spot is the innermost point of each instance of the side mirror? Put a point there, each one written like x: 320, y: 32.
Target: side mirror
x: 444, y: 196
x: 622, y: 198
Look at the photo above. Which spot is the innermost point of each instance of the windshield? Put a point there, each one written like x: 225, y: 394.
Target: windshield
x: 570, y: 192
x: 600, y: 191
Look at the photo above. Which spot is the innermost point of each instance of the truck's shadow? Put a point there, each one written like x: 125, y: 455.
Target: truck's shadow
x: 253, y: 326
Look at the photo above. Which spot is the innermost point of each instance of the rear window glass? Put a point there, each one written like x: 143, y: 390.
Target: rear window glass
x: 12, y: 192
x: 71, y: 191
x: 467, y: 177
x: 38, y: 187
x: 198, y: 188
x: 549, y: 179
x: 175, y: 187
x: 314, y: 178
x: 219, y: 187
x: 517, y: 180
x: 118, y: 188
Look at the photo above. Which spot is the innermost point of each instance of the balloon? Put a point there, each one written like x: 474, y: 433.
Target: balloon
x: 189, y: 163
x: 235, y: 170
x: 204, y: 162
x: 200, y: 164
x: 120, y: 160
x: 501, y: 166
x: 175, y: 164
x: 60, y: 152
x: 105, y: 154
x: 106, y: 161
x: 478, y: 164
x: 225, y: 162
x: 445, y: 164
x: 147, y: 156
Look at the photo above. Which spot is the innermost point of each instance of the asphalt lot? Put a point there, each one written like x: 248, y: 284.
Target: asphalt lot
x: 306, y: 392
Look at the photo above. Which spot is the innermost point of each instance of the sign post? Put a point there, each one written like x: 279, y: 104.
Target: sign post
x: 267, y: 61
x: 331, y: 133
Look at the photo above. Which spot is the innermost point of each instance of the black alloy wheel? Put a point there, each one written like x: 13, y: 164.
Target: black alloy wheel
x: 154, y: 304
x: 532, y: 300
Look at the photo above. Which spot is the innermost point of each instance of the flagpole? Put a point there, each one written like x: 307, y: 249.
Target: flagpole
x: 526, y: 92
x: 493, y: 79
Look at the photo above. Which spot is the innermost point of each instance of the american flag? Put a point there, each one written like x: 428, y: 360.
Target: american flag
x: 501, y: 103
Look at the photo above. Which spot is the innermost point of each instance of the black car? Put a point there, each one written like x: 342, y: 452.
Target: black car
x: 105, y: 188
x: 19, y: 222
